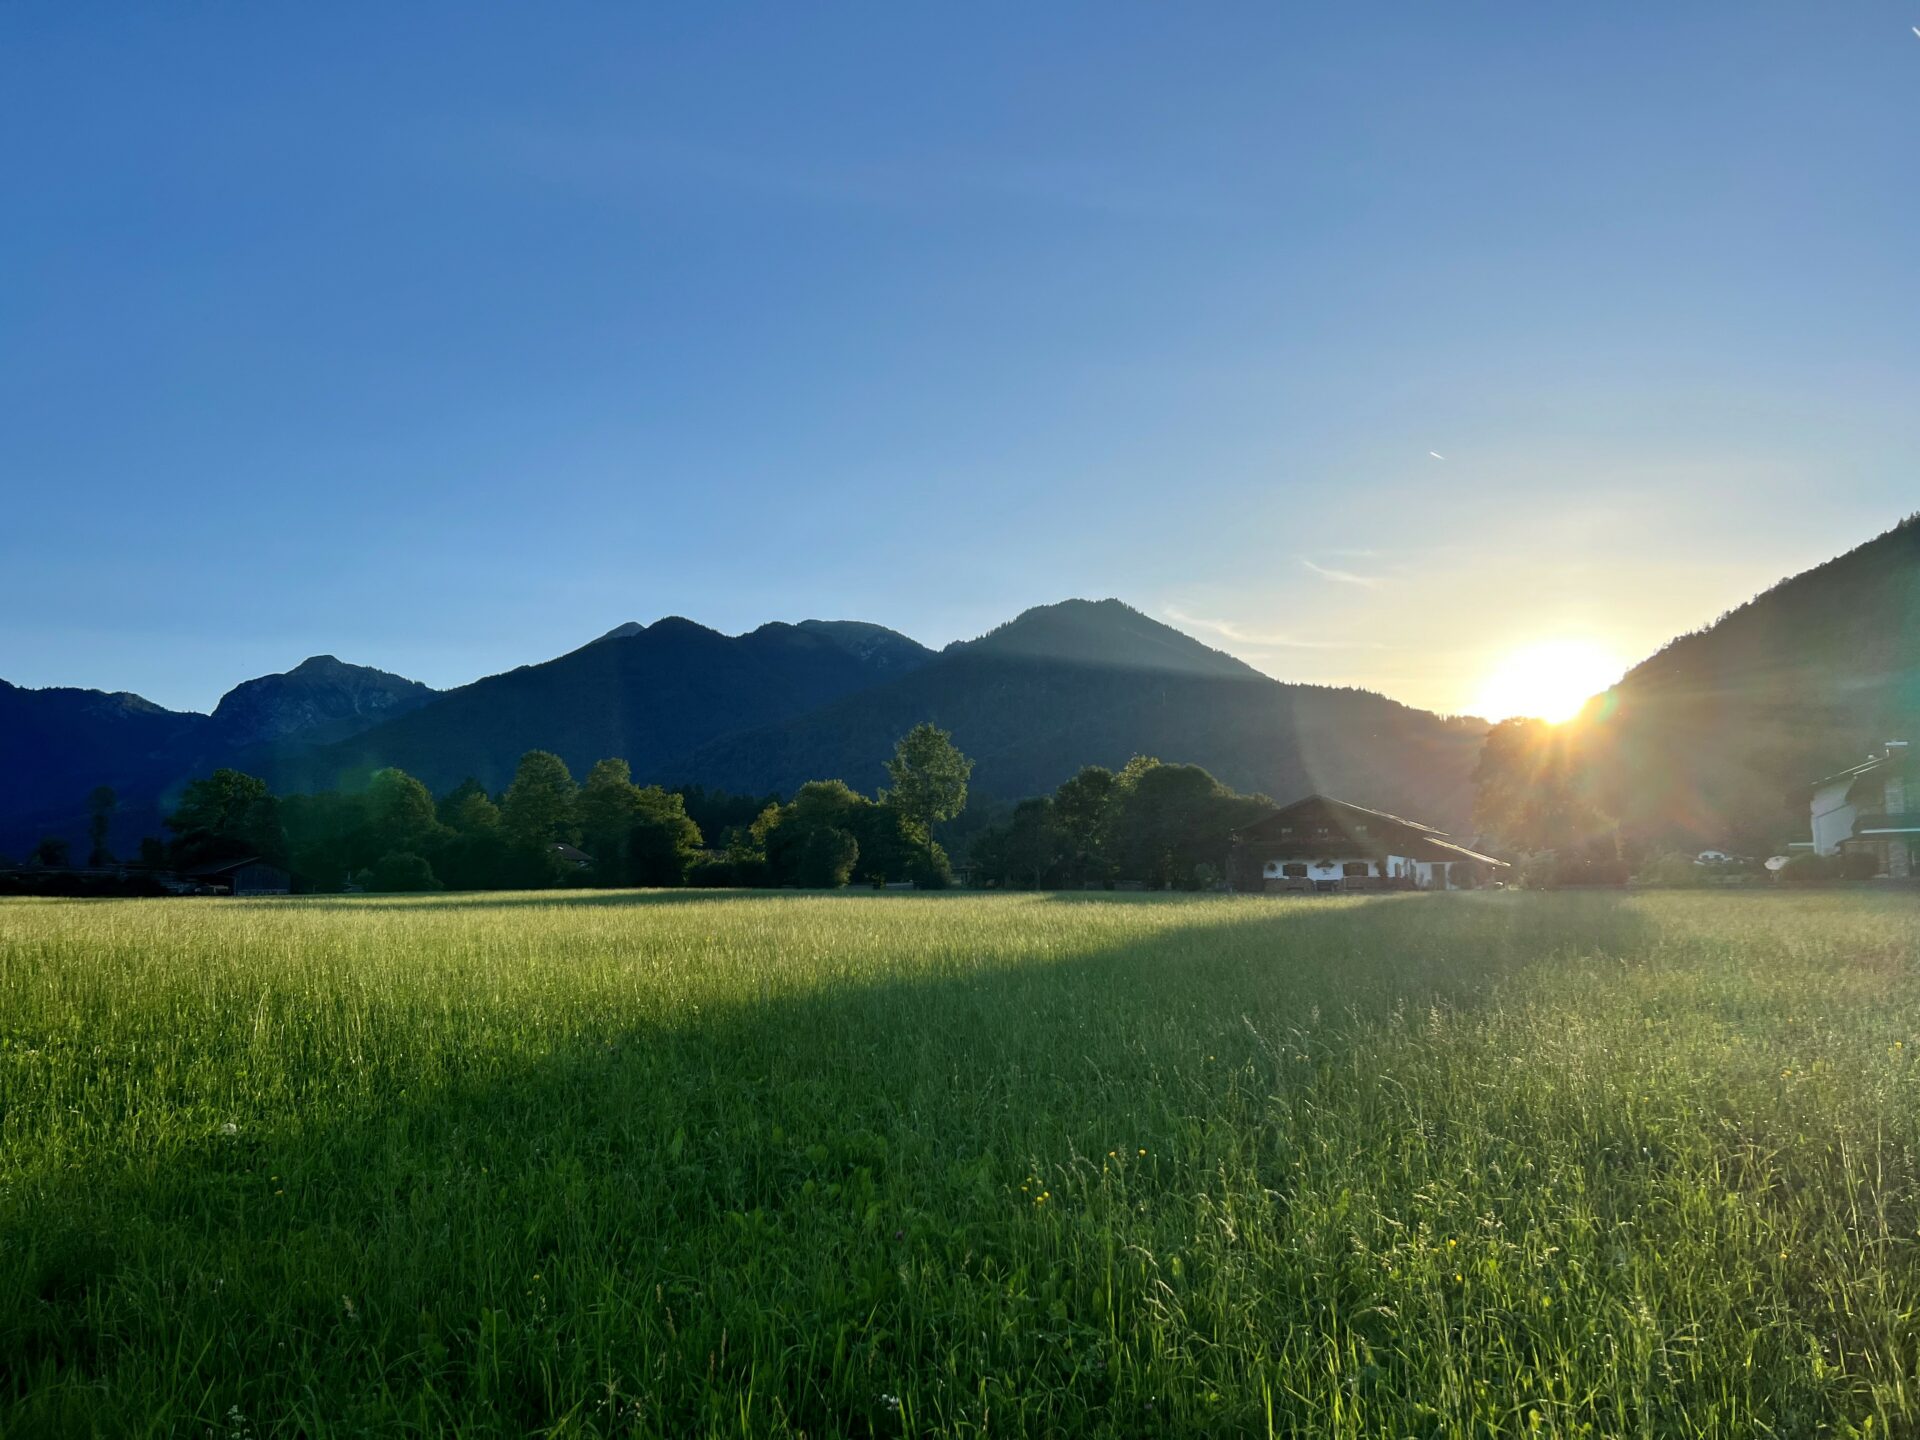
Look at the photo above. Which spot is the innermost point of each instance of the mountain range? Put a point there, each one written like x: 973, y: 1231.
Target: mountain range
x: 1709, y: 739
x: 1060, y: 686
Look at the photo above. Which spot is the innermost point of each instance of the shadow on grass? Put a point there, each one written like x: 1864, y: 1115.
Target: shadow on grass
x: 809, y: 1201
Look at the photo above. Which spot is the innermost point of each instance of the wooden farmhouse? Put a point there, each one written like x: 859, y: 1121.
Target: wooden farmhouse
x: 1323, y: 844
x: 249, y: 875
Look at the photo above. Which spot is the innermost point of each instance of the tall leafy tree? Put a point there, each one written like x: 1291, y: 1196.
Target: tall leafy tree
x: 1173, y: 824
x: 1080, y: 809
x: 929, y: 776
x: 401, y: 811
x: 1036, y: 843
x: 329, y: 837
x: 225, y: 816
x: 638, y: 835
x: 885, y: 849
x: 607, y: 806
x: 539, y: 806
x: 662, y: 841
x: 827, y: 858
x: 467, y: 808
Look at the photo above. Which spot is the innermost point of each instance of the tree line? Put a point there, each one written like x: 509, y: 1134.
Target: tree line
x: 547, y: 829
x: 1149, y: 823
x: 1153, y: 824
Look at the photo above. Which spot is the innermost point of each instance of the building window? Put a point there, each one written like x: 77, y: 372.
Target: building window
x: 1354, y: 868
x: 1294, y: 870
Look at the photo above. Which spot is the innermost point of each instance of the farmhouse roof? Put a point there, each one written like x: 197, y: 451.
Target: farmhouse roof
x: 1893, y: 759
x: 1415, y: 840
x: 224, y: 867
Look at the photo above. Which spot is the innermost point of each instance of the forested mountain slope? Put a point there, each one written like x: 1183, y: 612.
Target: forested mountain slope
x: 1095, y: 682
x: 642, y: 693
x: 1712, y: 738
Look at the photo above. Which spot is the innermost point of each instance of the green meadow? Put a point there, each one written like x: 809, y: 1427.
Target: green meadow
x: 690, y: 1164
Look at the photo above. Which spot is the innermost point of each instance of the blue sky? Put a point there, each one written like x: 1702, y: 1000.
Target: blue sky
x: 443, y: 339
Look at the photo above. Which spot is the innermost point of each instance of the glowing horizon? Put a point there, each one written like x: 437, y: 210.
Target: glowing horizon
x: 1548, y: 680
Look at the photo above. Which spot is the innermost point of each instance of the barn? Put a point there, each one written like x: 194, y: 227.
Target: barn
x: 249, y: 875
x: 1321, y: 844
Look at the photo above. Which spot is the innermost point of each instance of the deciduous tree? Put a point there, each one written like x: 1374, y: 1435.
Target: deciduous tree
x: 225, y: 816
x: 929, y: 776
x: 539, y: 806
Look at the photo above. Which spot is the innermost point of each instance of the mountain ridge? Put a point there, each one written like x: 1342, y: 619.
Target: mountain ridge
x: 1710, y: 739
x: 1095, y: 682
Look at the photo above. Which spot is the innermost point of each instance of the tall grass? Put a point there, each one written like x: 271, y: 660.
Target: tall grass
x: 687, y: 1164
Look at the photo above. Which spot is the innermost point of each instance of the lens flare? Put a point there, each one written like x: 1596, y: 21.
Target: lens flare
x: 1549, y: 680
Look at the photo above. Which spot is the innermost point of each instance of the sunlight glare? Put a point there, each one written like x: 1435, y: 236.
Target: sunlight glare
x: 1549, y: 680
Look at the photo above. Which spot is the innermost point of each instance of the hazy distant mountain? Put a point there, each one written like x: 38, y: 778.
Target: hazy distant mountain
x: 1096, y: 682
x: 1710, y: 739
x: 641, y: 693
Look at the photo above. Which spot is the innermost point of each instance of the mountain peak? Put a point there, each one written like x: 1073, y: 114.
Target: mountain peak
x: 322, y: 697
x: 888, y: 651
x: 1104, y: 632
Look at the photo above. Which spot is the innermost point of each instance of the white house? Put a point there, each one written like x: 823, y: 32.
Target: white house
x: 1865, y: 810
x: 1323, y: 844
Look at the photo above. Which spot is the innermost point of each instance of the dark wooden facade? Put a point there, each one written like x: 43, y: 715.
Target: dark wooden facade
x: 1323, y: 844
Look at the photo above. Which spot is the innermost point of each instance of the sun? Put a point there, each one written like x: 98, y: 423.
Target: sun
x: 1549, y: 680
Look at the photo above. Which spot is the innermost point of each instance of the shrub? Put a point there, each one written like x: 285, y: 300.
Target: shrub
x: 1809, y: 870
x: 747, y: 871
x: 402, y: 871
x: 935, y: 873
x: 1671, y: 869
x: 1859, y: 865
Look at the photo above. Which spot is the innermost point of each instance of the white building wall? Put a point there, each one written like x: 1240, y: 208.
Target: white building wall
x: 1322, y: 870
x: 1833, y: 817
